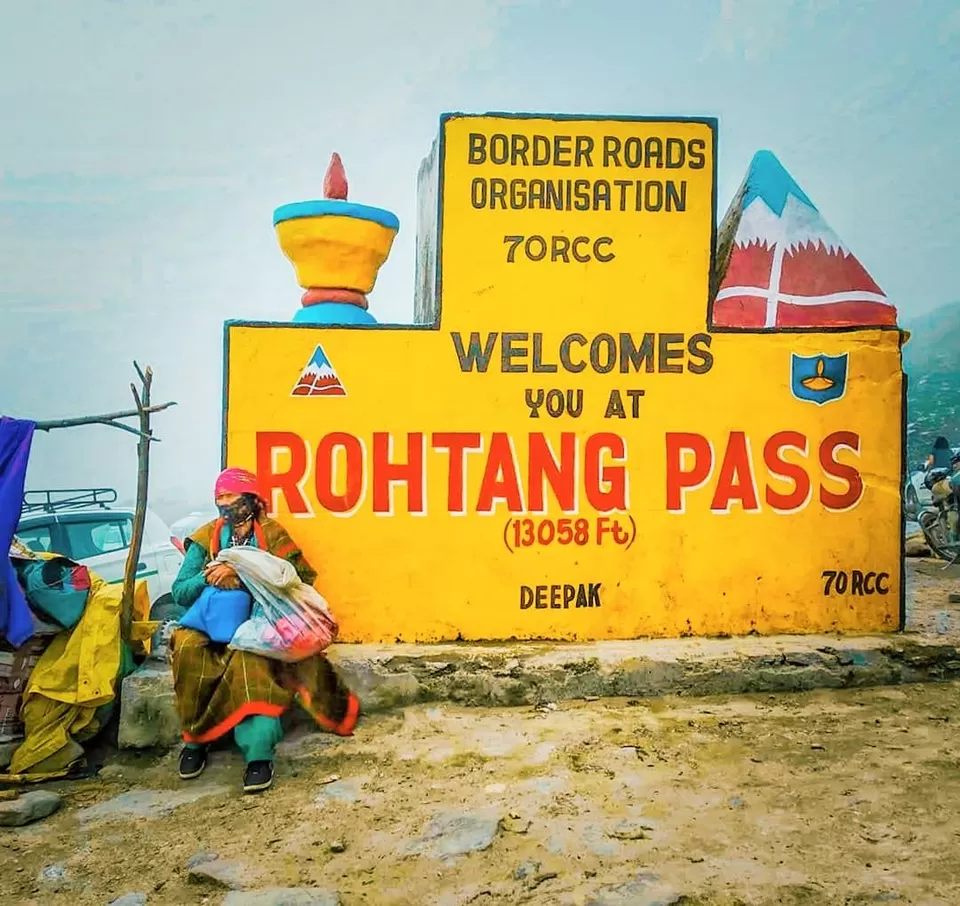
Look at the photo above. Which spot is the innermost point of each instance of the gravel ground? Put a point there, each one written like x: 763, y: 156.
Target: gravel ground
x: 824, y: 797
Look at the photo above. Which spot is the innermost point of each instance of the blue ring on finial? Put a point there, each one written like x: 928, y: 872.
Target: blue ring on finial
x: 333, y: 314
x: 335, y: 207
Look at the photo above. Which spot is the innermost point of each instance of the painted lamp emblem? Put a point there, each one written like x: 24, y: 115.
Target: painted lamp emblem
x: 337, y: 249
x: 819, y: 378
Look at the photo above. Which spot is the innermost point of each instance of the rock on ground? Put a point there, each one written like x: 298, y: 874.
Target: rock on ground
x: 456, y: 834
x: 111, y: 772
x: 54, y: 877
x: 644, y: 890
x: 130, y: 899
x: 199, y: 858
x: 630, y: 830
x: 28, y: 808
x: 526, y: 870
x: 284, y: 896
x: 343, y: 790
x: 222, y: 873
x: 146, y: 803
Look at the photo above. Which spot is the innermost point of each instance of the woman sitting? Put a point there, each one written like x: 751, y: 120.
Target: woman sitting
x: 940, y: 455
x: 219, y: 689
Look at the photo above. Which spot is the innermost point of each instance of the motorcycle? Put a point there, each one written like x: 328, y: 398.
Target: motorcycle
x: 940, y: 520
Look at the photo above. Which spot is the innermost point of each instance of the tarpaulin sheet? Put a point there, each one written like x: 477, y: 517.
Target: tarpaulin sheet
x: 16, y: 623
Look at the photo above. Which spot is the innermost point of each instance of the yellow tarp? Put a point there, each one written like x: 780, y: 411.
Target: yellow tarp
x: 76, y: 675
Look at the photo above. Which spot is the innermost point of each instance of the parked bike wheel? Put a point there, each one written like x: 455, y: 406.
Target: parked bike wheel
x: 937, y: 533
x: 911, y: 502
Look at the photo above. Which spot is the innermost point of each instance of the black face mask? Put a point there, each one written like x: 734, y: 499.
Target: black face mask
x: 238, y: 512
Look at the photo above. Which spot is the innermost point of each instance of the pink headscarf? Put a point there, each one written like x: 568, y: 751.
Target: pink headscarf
x: 238, y: 481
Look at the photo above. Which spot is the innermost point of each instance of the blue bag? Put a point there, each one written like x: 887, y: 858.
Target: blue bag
x: 218, y: 612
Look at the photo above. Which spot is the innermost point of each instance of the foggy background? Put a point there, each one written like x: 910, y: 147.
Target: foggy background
x: 144, y: 146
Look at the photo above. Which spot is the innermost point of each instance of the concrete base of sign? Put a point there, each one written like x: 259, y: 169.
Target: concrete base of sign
x: 390, y: 676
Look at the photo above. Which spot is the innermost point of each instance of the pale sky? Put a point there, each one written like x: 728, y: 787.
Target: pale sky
x: 145, y: 145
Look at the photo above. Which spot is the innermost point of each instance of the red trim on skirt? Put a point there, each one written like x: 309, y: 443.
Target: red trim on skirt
x: 346, y: 726
x: 247, y: 709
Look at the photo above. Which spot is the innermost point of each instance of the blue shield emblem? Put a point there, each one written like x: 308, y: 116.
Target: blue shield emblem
x: 818, y: 378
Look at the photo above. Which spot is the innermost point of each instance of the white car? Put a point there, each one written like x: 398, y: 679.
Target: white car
x: 915, y: 495
x: 185, y: 527
x: 81, y: 525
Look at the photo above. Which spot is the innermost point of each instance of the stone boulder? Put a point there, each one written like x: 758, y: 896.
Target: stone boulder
x: 148, y: 712
x: 29, y: 807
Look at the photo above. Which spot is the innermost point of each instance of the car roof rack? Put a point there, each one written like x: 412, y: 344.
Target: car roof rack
x: 55, y: 501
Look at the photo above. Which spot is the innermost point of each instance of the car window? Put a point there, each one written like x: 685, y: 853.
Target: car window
x: 102, y: 536
x: 37, y: 537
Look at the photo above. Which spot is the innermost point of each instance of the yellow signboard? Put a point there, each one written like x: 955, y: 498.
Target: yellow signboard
x: 566, y: 447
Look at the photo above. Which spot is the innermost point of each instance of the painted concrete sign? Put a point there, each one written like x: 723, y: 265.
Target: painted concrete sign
x: 593, y: 431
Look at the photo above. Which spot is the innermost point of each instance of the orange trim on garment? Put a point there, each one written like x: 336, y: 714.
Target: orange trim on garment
x: 346, y: 726
x: 285, y: 550
x: 215, y: 537
x: 247, y: 709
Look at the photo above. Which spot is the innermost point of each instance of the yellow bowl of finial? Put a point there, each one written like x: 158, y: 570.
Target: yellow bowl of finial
x: 333, y: 243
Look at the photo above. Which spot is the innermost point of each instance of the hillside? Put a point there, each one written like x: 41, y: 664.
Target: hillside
x: 932, y: 360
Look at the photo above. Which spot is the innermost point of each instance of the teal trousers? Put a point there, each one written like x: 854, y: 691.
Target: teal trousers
x: 256, y: 736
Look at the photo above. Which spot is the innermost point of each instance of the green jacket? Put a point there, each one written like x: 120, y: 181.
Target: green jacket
x: 191, y: 580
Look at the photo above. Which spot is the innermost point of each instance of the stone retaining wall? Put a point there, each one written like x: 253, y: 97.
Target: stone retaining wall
x: 392, y: 676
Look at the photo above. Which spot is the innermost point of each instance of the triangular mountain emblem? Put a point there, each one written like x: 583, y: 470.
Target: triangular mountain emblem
x: 318, y: 378
x: 779, y: 265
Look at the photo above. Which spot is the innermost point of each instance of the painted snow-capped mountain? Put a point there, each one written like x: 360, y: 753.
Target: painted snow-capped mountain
x: 319, y: 378
x: 780, y: 265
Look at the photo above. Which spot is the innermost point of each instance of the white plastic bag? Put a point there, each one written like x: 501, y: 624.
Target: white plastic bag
x: 261, y: 566
x: 289, y: 620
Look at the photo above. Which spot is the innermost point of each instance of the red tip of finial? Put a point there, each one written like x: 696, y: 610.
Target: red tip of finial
x: 335, y: 182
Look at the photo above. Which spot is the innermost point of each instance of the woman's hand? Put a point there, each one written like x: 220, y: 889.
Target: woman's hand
x: 221, y: 575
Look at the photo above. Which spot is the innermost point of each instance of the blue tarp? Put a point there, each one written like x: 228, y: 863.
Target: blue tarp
x: 16, y: 621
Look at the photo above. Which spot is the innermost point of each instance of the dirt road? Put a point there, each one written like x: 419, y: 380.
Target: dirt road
x: 929, y: 582
x: 830, y: 797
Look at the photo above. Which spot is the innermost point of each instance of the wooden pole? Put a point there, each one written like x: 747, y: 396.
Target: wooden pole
x: 143, y: 411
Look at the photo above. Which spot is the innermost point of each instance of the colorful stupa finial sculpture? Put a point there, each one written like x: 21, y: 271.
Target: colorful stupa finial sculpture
x: 337, y: 249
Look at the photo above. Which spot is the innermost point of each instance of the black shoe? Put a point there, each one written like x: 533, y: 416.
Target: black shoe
x: 192, y: 762
x: 258, y: 777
